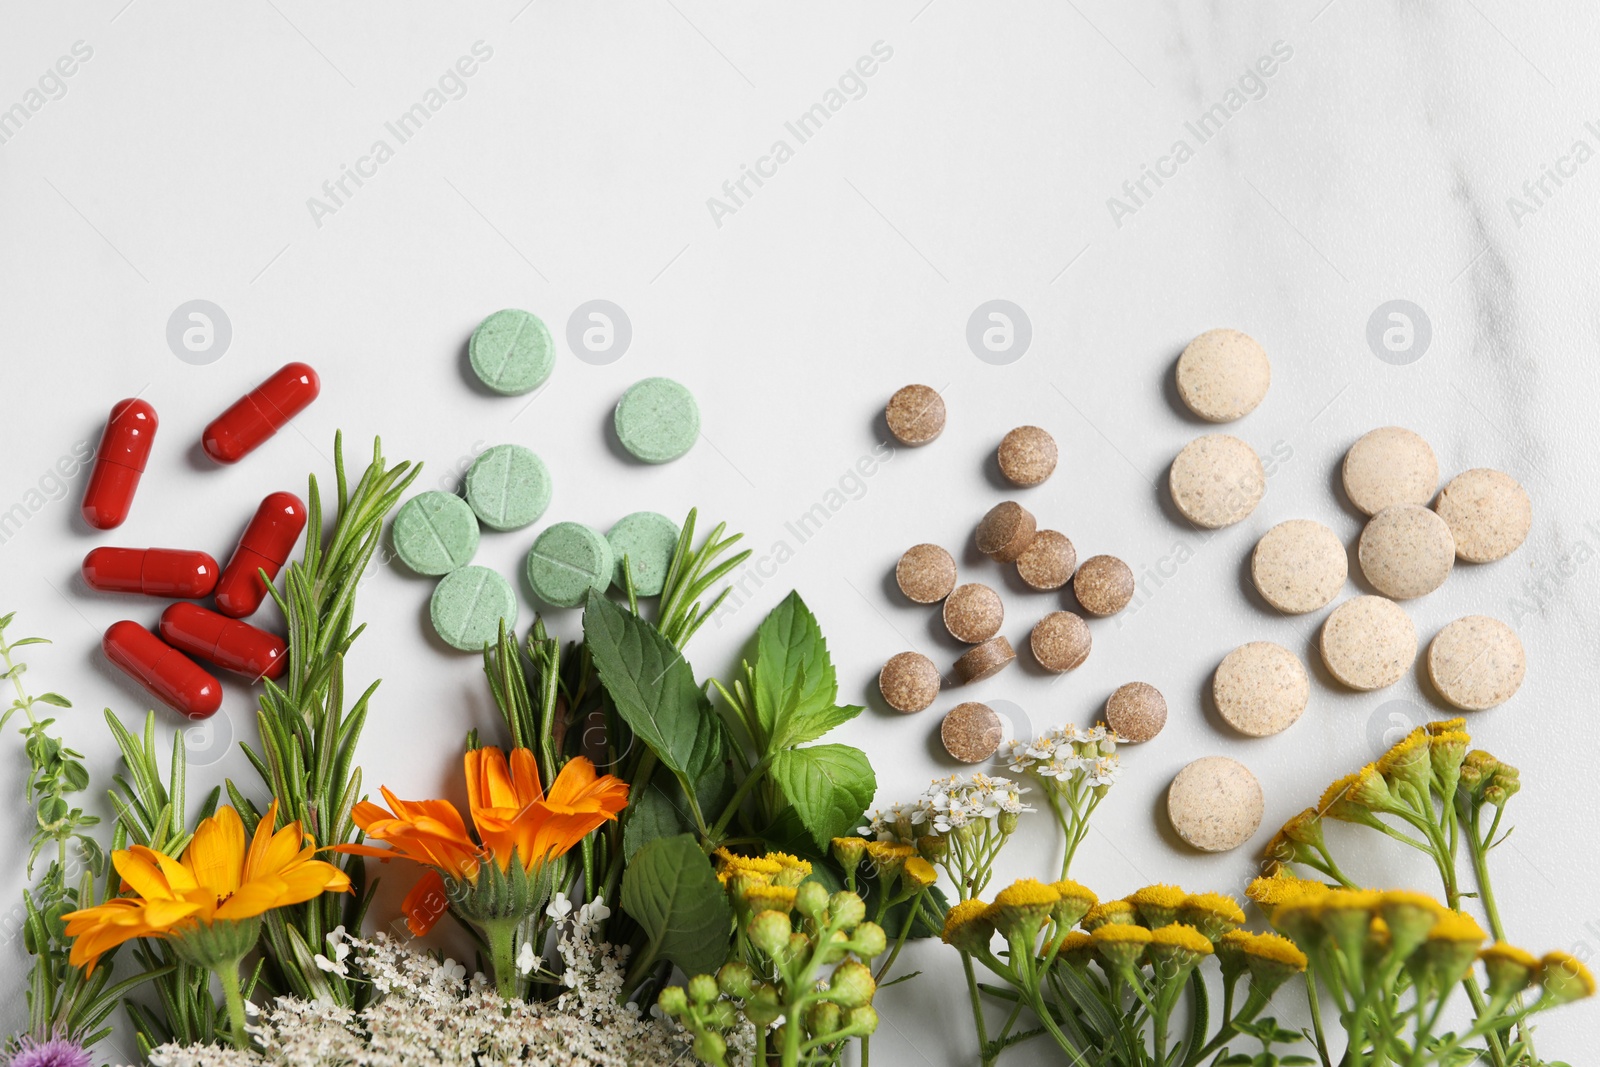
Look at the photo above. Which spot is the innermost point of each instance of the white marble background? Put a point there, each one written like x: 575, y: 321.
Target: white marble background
x: 1379, y: 162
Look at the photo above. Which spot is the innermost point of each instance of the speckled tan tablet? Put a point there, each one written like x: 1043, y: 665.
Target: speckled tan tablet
x: 1136, y: 711
x: 1299, y: 566
x: 915, y: 414
x: 971, y: 732
x: 1223, y: 375
x: 926, y: 573
x: 1406, y: 551
x: 1103, y: 585
x: 973, y: 613
x: 1060, y: 641
x: 1368, y: 643
x: 1048, y: 562
x: 984, y: 661
x: 1488, y: 512
x: 1477, y: 662
x: 1261, y: 688
x: 909, y: 682
x: 1006, y: 531
x: 1389, y: 466
x: 1027, y: 455
x: 1215, y: 804
x: 1217, y: 480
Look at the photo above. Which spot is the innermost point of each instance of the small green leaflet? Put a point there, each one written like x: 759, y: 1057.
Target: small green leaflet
x: 795, y: 684
x: 672, y: 893
x: 829, y: 786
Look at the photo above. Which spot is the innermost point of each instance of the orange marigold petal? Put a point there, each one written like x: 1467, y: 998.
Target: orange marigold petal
x: 425, y: 904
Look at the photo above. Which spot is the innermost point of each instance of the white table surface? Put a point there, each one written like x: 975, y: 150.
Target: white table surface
x: 975, y: 163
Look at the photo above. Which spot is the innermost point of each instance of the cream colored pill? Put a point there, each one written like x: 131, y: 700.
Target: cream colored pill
x: 1488, y: 512
x: 1223, y: 374
x: 1477, y: 662
x: 1406, y: 551
x: 909, y: 682
x: 1216, y: 480
x: 1389, y: 466
x: 1368, y: 643
x: 1299, y: 566
x: 1215, y: 804
x: 973, y: 613
x: 1136, y: 711
x: 984, y: 661
x: 1261, y: 688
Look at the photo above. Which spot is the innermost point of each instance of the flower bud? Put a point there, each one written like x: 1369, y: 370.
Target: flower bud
x: 823, y: 1018
x: 673, y: 1001
x: 846, y: 909
x: 968, y: 927
x: 1007, y: 822
x: 834, y: 948
x: 722, y: 1015
x: 736, y: 979
x: 810, y: 898
x: 862, y: 1020
x: 709, y: 1046
x: 1510, y: 969
x: 1565, y: 978
x: 762, y: 1007
x: 769, y: 931
x: 703, y: 989
x: 869, y: 940
x: 848, y: 852
x: 851, y: 985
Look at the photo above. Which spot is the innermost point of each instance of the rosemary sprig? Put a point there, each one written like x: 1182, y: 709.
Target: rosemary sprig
x: 692, y: 573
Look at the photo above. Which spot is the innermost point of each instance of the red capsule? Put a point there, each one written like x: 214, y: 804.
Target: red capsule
x: 261, y: 413
x: 124, y: 447
x: 178, y: 681
x: 266, y: 544
x: 170, y: 572
x: 230, y: 644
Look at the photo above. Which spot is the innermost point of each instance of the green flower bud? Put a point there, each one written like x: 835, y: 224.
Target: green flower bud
x: 846, y: 909
x: 822, y: 1018
x: 762, y: 1006
x: 709, y: 1047
x: 1007, y: 821
x: 735, y: 979
x: 934, y: 847
x: 703, y: 989
x: 673, y: 1001
x: 851, y: 985
x: 769, y: 931
x: 722, y: 1015
x: 810, y: 899
x: 869, y: 940
x: 862, y: 1020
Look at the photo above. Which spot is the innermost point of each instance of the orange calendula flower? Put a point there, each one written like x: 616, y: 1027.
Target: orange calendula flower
x: 217, y: 880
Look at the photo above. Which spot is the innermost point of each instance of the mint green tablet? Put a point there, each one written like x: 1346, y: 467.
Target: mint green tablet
x: 647, y: 540
x: 566, y: 561
x: 467, y: 606
x: 435, y: 532
x: 508, y: 487
x: 511, y: 353
x: 657, y: 420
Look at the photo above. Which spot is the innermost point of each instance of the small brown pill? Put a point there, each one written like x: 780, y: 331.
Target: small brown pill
x: 973, y: 613
x: 915, y: 414
x: 1027, y: 456
x: 1006, y: 532
x: 1103, y: 585
x: 971, y: 732
x: 985, y: 660
x: 926, y: 573
x: 1060, y: 641
x: 909, y: 682
x: 1136, y: 711
x: 1048, y: 562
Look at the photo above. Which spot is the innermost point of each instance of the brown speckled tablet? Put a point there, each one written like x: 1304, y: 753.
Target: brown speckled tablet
x: 971, y: 732
x: 909, y: 682
x: 1368, y: 643
x: 915, y: 414
x: 1299, y: 566
x: 1389, y: 466
x: 1136, y: 711
x: 1048, y: 562
x: 1060, y: 641
x: 1006, y: 531
x: 1027, y: 455
x: 1223, y: 374
x: 973, y: 613
x: 1488, y: 512
x: 926, y: 573
x: 1215, y: 804
x: 1406, y: 551
x: 984, y: 661
x: 1103, y: 585
x: 1477, y: 662
x: 1261, y: 688
x: 1216, y: 480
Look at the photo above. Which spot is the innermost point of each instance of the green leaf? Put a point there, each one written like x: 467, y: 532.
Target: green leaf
x: 652, y: 815
x: 795, y: 684
x: 671, y: 891
x: 653, y: 689
x: 829, y: 786
x: 54, y: 700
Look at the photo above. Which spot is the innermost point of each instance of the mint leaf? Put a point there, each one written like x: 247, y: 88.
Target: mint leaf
x: 653, y: 814
x: 672, y: 893
x: 829, y: 786
x: 795, y: 684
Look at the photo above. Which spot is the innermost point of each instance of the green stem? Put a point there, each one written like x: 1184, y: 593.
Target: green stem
x: 912, y: 912
x: 228, y: 975
x: 977, y: 1010
x: 749, y: 783
x: 501, y: 936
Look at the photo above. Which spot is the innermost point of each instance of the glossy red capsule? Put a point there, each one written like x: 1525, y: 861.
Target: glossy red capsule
x: 173, y: 678
x: 124, y: 447
x: 261, y: 413
x: 266, y: 544
x: 170, y: 572
x: 230, y: 644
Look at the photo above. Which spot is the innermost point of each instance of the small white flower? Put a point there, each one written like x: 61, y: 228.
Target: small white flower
x: 593, y: 912
x: 332, y: 967
x: 525, y: 959
x: 559, y: 908
x: 335, y: 936
x: 252, y: 1008
x: 451, y: 971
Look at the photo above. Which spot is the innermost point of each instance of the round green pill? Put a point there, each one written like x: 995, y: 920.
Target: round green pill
x: 508, y: 487
x: 511, y: 353
x: 566, y: 561
x: 435, y: 532
x: 467, y: 606
x: 647, y: 539
x: 657, y: 420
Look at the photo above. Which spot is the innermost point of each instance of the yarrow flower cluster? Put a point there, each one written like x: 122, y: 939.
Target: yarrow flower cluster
x: 1076, y: 768
x: 958, y: 823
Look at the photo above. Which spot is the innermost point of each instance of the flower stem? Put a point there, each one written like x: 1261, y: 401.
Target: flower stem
x: 977, y: 1010
x: 228, y: 975
x: 501, y: 937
